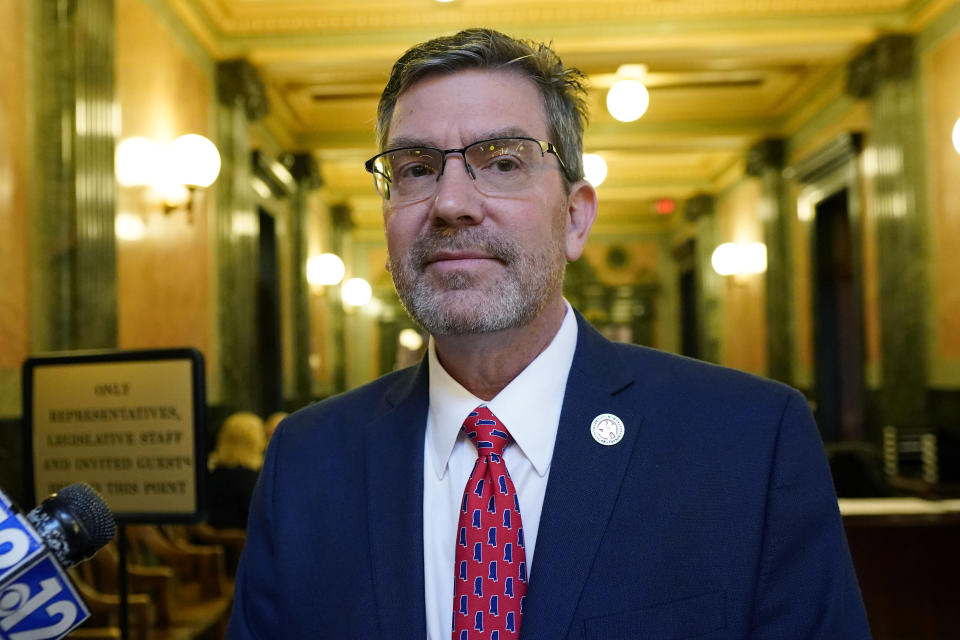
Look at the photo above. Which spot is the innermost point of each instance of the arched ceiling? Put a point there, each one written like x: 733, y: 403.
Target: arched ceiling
x: 723, y: 74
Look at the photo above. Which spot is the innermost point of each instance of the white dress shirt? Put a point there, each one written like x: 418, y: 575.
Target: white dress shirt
x: 529, y: 407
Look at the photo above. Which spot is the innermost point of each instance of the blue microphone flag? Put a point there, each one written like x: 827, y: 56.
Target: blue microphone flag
x: 37, y: 599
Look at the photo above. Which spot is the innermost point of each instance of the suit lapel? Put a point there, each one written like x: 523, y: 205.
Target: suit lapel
x: 394, y: 460
x: 585, y: 479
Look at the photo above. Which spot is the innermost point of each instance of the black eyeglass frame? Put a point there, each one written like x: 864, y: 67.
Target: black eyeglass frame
x: 545, y: 148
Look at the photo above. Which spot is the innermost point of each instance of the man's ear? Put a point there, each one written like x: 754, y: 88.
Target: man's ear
x: 581, y: 212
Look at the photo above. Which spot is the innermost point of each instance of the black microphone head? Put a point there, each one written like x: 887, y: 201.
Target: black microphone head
x: 92, y: 512
x: 74, y: 523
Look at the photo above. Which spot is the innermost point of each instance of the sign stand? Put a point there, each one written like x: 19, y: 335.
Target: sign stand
x: 122, y: 589
x: 129, y: 423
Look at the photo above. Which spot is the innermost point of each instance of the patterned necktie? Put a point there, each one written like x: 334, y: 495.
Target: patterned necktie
x: 491, y: 568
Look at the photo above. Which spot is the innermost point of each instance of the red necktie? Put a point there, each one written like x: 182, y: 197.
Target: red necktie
x: 491, y: 568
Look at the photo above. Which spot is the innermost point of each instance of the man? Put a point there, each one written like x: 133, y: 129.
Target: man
x: 662, y: 497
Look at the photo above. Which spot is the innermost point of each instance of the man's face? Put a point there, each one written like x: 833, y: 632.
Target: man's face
x: 464, y: 262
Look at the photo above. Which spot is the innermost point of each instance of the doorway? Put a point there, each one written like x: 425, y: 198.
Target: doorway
x: 838, y: 337
x: 685, y: 255
x: 269, y: 356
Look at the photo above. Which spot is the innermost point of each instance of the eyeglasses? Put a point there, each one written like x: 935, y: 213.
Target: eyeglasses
x: 498, y: 166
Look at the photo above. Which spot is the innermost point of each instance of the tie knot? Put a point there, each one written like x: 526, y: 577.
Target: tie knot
x: 486, y: 431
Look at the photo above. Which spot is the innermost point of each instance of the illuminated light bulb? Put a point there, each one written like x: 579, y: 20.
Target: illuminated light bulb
x: 325, y: 269
x: 724, y: 259
x: 956, y: 136
x: 755, y: 257
x: 356, y: 292
x: 594, y: 168
x: 129, y: 227
x: 172, y: 193
x: 627, y: 100
x: 136, y: 162
x: 194, y: 160
x: 410, y: 339
x: 734, y: 259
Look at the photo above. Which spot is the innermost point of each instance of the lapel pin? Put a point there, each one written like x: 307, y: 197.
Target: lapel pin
x: 607, y: 429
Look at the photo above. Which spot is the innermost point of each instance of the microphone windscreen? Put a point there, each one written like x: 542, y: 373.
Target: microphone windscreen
x: 74, y: 523
x: 91, y: 511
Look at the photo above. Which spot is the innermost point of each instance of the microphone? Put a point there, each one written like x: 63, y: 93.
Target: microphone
x: 37, y: 599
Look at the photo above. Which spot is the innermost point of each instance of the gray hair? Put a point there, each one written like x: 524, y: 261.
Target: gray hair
x: 563, y: 90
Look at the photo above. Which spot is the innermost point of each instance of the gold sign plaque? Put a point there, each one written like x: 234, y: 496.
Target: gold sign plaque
x: 125, y: 427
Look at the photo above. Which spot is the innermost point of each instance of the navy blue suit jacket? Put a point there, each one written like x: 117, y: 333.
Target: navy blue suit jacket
x: 715, y: 516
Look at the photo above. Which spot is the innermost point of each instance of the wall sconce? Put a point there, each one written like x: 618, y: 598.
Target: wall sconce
x: 628, y: 98
x: 172, y: 173
x: 738, y: 259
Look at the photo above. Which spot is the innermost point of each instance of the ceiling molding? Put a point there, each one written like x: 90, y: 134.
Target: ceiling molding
x: 239, y: 18
x: 723, y: 74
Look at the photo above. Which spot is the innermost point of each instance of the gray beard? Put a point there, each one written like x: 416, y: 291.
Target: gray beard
x: 458, y: 303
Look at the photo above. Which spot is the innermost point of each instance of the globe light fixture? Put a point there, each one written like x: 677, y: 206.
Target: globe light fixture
x: 594, y: 168
x: 356, y: 292
x: 136, y: 162
x: 325, y: 269
x: 737, y: 259
x: 410, y: 339
x: 628, y: 98
x: 194, y: 161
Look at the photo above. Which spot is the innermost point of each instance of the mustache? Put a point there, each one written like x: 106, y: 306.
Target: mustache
x: 464, y: 239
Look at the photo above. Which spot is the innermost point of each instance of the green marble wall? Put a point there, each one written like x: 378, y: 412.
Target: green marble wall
x: 307, y: 174
x: 237, y: 231
x: 241, y: 100
x: 887, y: 76
x: 700, y: 210
x: 765, y: 161
x: 73, y: 193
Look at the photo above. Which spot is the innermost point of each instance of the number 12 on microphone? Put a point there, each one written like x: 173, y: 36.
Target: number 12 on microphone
x: 37, y: 599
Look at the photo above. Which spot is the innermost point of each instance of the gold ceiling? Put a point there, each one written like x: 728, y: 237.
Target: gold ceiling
x: 722, y: 74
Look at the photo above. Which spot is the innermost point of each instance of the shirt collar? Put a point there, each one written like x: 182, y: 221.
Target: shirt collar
x: 529, y: 406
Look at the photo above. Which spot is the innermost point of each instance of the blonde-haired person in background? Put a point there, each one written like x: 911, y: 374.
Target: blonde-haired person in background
x: 270, y: 424
x: 234, y: 467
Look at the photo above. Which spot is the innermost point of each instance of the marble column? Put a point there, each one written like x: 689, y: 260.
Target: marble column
x: 885, y: 75
x: 241, y: 99
x: 700, y: 209
x: 341, y: 224
x: 765, y: 161
x: 304, y: 169
x: 73, y: 301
